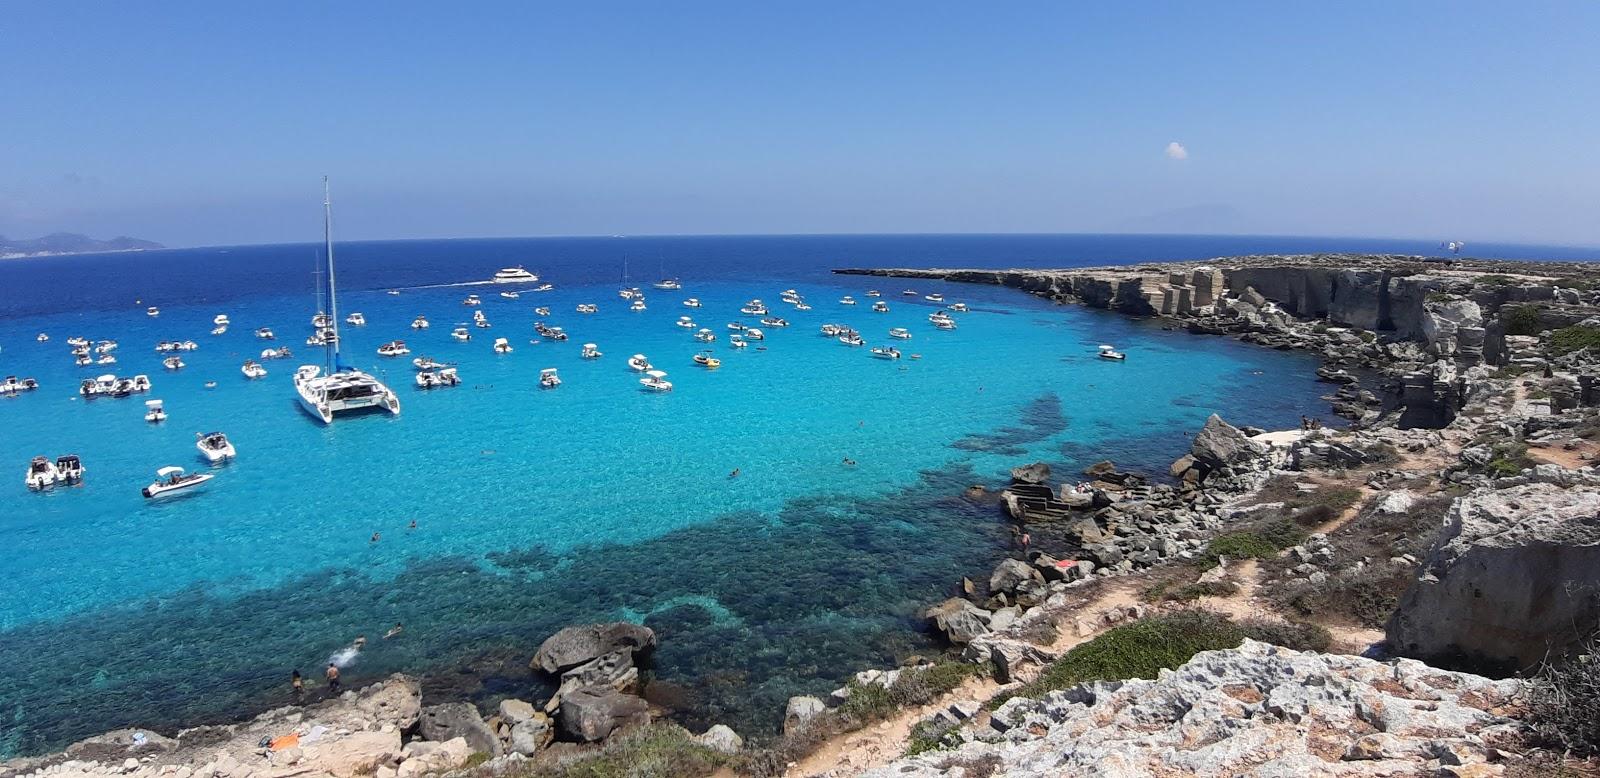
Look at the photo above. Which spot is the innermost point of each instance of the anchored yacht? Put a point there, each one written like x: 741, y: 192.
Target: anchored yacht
x: 462, y: 334
x: 394, y: 348
x: 705, y: 335
x: 253, y: 369
x: 42, y: 474
x: 214, y: 446
x: 265, y: 333
x: 14, y: 385
x: 155, y: 412
x: 152, y: 311
x: 69, y: 469
x: 548, y: 378
x: 900, y: 332
x: 173, y: 363
x: 428, y: 379
x: 656, y: 381
x: 885, y: 352
x: 172, y: 480
x: 502, y: 346
x: 639, y: 363
x: 693, y: 302
x: 587, y: 308
x: 356, y: 319
x: 419, y: 323
x: 880, y: 306
x: 514, y: 275
x: 705, y: 359
x: 1110, y: 352
x: 590, y: 351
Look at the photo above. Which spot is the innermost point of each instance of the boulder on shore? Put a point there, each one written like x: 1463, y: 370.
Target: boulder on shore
x: 1010, y: 574
x: 958, y: 619
x: 451, y: 720
x: 591, y: 715
x: 1036, y: 473
x: 799, y: 711
x: 574, y: 646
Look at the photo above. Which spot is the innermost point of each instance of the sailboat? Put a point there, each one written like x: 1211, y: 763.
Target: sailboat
x: 335, y: 387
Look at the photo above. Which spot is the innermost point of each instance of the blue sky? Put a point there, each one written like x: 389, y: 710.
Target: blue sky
x: 211, y: 123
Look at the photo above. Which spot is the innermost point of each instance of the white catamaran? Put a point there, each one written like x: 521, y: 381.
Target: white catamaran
x: 335, y: 387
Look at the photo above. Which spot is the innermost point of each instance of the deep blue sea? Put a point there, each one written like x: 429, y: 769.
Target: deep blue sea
x: 536, y: 509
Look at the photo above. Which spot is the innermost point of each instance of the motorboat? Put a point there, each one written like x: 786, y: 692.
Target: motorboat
x: 686, y: 322
x: 590, y: 351
x: 656, y: 381
x: 479, y: 316
x: 874, y: 293
x: 705, y: 335
x: 108, y: 359
x: 82, y: 360
x: 734, y: 326
x: 219, y: 329
x: 510, y: 295
x: 172, y: 480
x: 155, y: 412
x: 426, y: 363
x: 693, y: 302
x: 471, y: 300
x: 356, y: 319
x: 900, y: 332
x: 543, y: 310
x: 502, y: 346
x: 1109, y: 352
x: 462, y: 334
x: 934, y: 298
x: 880, y: 306
x: 909, y: 292
x: 588, y: 308
x: 152, y: 311
x: 668, y: 284
x: 419, y: 323
x: 138, y: 383
x: 42, y: 474
x: 548, y: 378
x: 737, y: 341
x: 166, y: 347
x: 69, y: 469
x: 754, y: 308
x: 221, y: 320
x: 394, y: 348
x: 214, y: 446
x: 959, y: 307
x: 555, y: 333
x: 265, y: 333
x: 754, y: 334
x: 637, y: 304
x: 394, y: 292
x: 802, y: 307
x: 14, y: 385
x: 43, y: 338
x: 944, y: 324
x: 321, y: 320
x: 514, y: 275
x: 482, y: 324
x: 337, y: 388
x: 173, y: 363
x: 831, y: 330
x: 850, y: 337
x: 847, y: 300
x: 704, y: 359
x: 429, y: 379
x: 211, y: 384
x: 639, y: 363
x: 253, y: 369
x: 276, y: 353
x: 186, y: 345
x: 544, y: 287
x: 77, y: 342
x: 105, y: 347
x: 885, y: 352
x: 775, y: 321
x: 938, y: 316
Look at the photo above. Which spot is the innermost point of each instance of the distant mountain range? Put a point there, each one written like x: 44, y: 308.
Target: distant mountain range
x: 69, y: 243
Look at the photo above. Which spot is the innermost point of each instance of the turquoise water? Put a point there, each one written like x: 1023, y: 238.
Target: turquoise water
x: 537, y: 508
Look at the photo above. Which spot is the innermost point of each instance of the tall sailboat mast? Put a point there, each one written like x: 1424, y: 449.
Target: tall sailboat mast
x: 333, y: 290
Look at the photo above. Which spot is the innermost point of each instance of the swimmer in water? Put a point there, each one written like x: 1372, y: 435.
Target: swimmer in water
x: 375, y: 537
x: 361, y: 642
x: 413, y: 524
x: 395, y: 630
x: 734, y: 474
x: 849, y: 462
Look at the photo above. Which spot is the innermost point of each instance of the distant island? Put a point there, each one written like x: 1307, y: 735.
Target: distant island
x: 69, y: 243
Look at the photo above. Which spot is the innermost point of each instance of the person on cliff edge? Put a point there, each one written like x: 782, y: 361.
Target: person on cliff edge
x: 333, y: 678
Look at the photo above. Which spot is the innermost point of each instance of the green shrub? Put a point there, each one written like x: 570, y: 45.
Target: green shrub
x: 1367, y: 336
x: 1508, y: 371
x: 1262, y: 542
x: 1569, y: 339
x: 1521, y: 319
x: 1325, y: 504
x: 1509, y: 459
x: 1199, y: 589
x: 915, y: 686
x: 1367, y: 596
x: 1297, y: 635
x: 1564, y: 700
x: 932, y: 735
x: 1494, y: 279
x: 1320, y: 327
x: 657, y: 750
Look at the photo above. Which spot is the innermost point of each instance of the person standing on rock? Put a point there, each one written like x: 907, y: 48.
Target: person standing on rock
x: 333, y: 678
x: 297, y: 684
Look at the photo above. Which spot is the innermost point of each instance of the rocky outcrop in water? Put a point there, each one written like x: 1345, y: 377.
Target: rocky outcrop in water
x: 1257, y: 710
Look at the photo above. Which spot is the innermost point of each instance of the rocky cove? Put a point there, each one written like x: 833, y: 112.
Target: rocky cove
x: 1455, y: 522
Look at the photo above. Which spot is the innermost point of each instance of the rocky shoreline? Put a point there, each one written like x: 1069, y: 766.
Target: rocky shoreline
x: 1471, y: 385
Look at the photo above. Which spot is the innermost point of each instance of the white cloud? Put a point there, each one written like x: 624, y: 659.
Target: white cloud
x: 1175, y: 150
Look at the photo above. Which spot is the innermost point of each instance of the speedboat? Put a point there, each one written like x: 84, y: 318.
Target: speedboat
x: 910, y: 293
x: 704, y: 359
x: 514, y: 275
x: 426, y: 363
x: 173, y: 363
x: 394, y: 292
x: 669, y: 284
x: 187, y: 345
x: 1108, y: 352
x: 481, y: 324
x: 850, y: 337
x: 934, y: 298
x: 686, y: 322
x: 705, y: 335
x: 587, y: 308
x: 754, y: 334
x: 737, y: 341
x: 656, y: 381
x: 959, y: 307
x: 321, y: 320
x: 42, y: 474
x: 214, y: 446
x: 938, y: 316
x: 831, y: 330
x: 14, y: 385
x: 628, y: 293
x: 108, y: 359
x: 502, y: 346
x: 265, y: 333
x: 510, y: 295
x: 82, y: 360
x: 221, y: 320
x: 693, y: 302
x: 356, y: 319
x: 152, y: 311
x: 429, y: 379
x: 944, y: 324
x: 69, y: 469
x: 554, y: 333
x: 105, y: 347
x: 462, y: 334
x: 172, y: 480
x: 802, y: 307
x: 637, y: 304
x: 874, y: 293
x: 774, y: 321
x: 394, y: 348
x: 847, y: 300
x: 737, y: 326
x: 471, y: 299
x: 900, y: 332
x: 253, y: 369
x: 754, y: 308
x: 639, y: 363
x: 42, y: 338
x: 155, y: 413
x: 548, y: 378
x: 276, y: 353
x: 885, y: 352
x: 590, y: 351
x: 543, y: 310
x: 77, y: 342
x: 479, y: 316
x: 544, y: 287
x: 419, y: 323
x: 880, y: 306
x: 219, y: 329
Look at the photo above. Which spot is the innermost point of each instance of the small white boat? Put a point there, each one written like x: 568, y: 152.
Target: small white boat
x: 900, y: 332
x: 172, y: 480
x: 502, y: 346
x: 510, y: 295
x: 705, y: 335
x: 173, y: 363
x: 909, y: 293
x: 155, y: 411
x: 934, y: 298
x: 775, y: 321
x: 187, y: 345
x: 253, y: 369
x: 938, y: 316
x: 105, y: 347
x: 481, y: 324
x: 394, y: 292
x: 83, y: 360
x: 639, y: 363
x: 737, y: 341
x: 276, y: 353
x: 802, y: 307
x: 880, y: 306
x: 471, y: 299
x: 419, y: 323
x: 321, y: 320
x: 885, y: 352
x: 356, y: 319
x: 221, y: 320
x: 668, y: 284
x: 548, y: 378
x: 479, y: 316
x: 69, y: 469
x: 850, y: 337
x: 590, y: 351
x: 637, y: 304
x: 219, y: 329
x: 944, y: 324
x: 429, y: 379
x: 874, y: 293
x: 544, y: 287
x: 685, y: 322
x: 1109, y: 352
x: 394, y: 348
x: 656, y: 381
x: 42, y: 474
x: 734, y: 326
x: 75, y: 342
x: 265, y: 333
x: 462, y: 334
x: 319, y: 338
x: 14, y: 385
x: 847, y: 300
x: 514, y: 275
x: 43, y: 338
x: 754, y: 308
x: 704, y: 359
x: 108, y: 359
x: 693, y: 302
x: 754, y: 334
x: 959, y: 307
x: 214, y: 446
x: 152, y: 311
x: 831, y: 330
x: 588, y: 308
x: 543, y: 310
x: 426, y: 363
